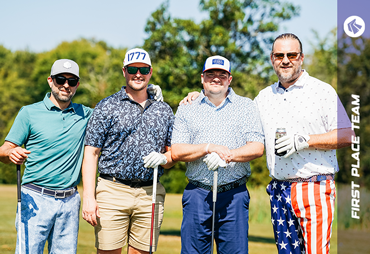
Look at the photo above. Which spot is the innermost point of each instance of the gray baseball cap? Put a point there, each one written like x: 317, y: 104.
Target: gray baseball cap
x: 65, y: 66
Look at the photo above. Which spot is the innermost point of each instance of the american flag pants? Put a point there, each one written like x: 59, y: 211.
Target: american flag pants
x: 302, y: 214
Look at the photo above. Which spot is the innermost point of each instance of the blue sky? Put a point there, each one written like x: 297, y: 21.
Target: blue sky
x: 41, y: 25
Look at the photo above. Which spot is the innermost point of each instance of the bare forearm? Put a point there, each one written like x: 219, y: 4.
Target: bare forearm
x: 89, y: 166
x: 170, y: 162
x: 335, y: 139
x: 4, y: 154
x: 248, y: 152
x: 188, y: 152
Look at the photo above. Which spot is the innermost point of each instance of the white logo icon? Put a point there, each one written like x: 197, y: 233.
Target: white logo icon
x: 354, y: 26
x: 67, y: 65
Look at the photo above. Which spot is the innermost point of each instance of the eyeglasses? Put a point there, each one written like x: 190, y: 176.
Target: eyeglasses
x: 61, y: 80
x: 212, y: 75
x: 290, y: 56
x: 133, y: 70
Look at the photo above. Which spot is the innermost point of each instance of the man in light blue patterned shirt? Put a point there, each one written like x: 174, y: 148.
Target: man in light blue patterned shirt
x: 218, y: 127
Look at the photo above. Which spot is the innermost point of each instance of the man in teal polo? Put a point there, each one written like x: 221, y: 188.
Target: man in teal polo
x: 52, y: 132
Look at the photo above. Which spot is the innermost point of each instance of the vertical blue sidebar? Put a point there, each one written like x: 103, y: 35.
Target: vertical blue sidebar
x: 353, y: 181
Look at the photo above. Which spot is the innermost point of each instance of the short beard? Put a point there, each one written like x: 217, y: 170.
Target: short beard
x: 290, y: 78
x: 62, y: 99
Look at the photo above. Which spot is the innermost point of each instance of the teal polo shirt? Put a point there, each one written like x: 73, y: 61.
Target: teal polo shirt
x: 55, y: 138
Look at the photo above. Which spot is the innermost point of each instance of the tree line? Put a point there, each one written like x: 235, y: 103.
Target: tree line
x: 242, y: 31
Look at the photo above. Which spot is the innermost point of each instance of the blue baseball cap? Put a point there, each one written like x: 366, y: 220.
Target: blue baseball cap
x: 217, y: 62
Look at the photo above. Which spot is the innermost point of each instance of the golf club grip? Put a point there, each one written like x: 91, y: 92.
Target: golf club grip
x: 155, y: 179
x: 19, y: 182
x: 215, y: 180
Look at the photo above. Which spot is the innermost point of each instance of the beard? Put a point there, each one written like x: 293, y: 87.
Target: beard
x: 63, y: 98
x: 288, y: 77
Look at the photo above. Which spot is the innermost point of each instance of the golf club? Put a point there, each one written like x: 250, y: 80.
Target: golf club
x: 19, y: 208
x: 155, y: 175
x: 215, y: 176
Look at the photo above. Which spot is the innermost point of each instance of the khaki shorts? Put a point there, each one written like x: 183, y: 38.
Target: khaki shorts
x: 126, y: 212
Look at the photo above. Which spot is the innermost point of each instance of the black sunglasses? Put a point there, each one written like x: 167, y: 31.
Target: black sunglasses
x: 290, y: 55
x: 61, y: 80
x: 133, y: 70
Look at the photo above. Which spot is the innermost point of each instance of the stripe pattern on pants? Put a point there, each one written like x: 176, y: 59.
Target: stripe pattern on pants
x: 313, y: 204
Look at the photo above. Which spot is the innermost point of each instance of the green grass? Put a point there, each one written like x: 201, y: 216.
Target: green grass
x: 261, y: 240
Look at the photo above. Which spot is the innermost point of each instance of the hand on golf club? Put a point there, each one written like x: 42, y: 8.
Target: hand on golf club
x: 90, y: 211
x: 292, y: 144
x: 154, y: 159
x: 213, y: 161
x: 156, y: 91
x: 18, y: 155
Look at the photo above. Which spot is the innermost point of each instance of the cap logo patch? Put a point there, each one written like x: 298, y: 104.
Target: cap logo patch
x: 218, y: 61
x: 67, y: 65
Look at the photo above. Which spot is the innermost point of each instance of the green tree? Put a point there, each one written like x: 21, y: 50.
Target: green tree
x: 15, y: 70
x: 242, y: 31
x: 322, y: 62
x: 100, y: 70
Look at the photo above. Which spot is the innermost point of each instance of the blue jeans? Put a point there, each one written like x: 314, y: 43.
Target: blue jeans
x: 231, y: 221
x: 45, y: 218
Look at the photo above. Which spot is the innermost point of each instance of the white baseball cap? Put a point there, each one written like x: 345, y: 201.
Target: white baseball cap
x: 217, y: 62
x: 137, y: 55
x: 65, y: 66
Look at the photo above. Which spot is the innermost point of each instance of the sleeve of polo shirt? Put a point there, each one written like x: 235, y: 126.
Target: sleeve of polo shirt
x: 97, y: 127
x: 335, y: 116
x: 19, y: 132
x: 171, y: 120
x: 252, y: 127
x: 181, y: 133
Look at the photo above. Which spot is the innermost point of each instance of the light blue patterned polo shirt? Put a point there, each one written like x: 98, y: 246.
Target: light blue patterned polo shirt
x: 234, y: 122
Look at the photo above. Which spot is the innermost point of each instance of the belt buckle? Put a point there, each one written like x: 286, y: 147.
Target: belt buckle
x: 58, y: 191
x: 135, y: 183
x: 321, y: 178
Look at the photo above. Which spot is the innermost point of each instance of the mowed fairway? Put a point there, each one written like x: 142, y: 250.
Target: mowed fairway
x: 261, y: 239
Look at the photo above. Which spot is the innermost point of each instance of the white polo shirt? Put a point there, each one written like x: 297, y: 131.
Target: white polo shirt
x: 310, y: 106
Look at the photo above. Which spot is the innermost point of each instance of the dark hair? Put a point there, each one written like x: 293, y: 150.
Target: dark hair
x: 287, y: 36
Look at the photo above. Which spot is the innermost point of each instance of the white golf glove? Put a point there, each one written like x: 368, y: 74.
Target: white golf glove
x: 156, y: 91
x: 292, y: 144
x: 214, y: 161
x: 154, y: 159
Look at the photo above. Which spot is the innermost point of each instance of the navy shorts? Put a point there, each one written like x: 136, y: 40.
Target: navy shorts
x: 231, y: 221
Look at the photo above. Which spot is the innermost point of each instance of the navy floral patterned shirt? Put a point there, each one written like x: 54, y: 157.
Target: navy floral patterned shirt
x: 126, y: 132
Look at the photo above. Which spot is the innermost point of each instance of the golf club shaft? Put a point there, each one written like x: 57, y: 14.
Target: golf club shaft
x: 155, y: 177
x: 214, y: 199
x: 19, y: 208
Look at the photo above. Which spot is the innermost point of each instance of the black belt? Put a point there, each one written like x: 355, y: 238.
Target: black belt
x: 221, y: 188
x: 132, y: 183
x: 54, y: 193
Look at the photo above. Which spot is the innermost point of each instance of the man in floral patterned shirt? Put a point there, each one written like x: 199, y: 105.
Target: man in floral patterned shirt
x: 129, y: 134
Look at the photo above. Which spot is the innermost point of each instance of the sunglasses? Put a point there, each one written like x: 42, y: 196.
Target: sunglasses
x: 290, y: 55
x: 133, y: 70
x: 61, y: 80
